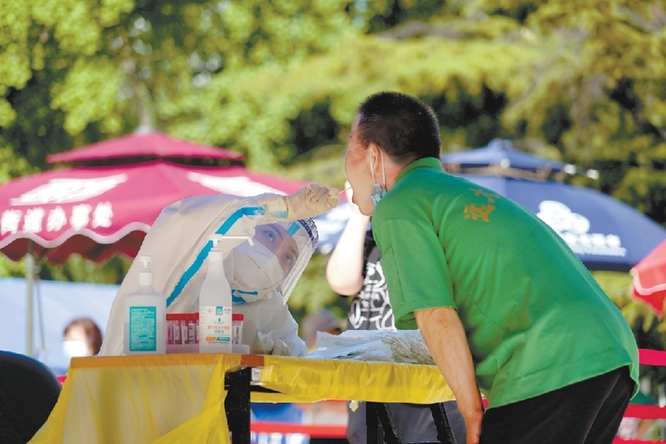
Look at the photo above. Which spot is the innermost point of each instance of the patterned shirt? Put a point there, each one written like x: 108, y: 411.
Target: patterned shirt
x: 370, y: 309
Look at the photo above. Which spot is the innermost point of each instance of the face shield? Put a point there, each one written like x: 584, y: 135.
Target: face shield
x: 275, y: 261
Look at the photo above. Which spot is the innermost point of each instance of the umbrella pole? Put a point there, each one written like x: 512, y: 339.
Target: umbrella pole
x: 29, y: 275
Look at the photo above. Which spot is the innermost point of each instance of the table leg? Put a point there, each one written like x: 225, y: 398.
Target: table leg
x: 379, y: 421
x: 382, y: 430
x: 374, y: 432
x: 237, y: 404
x: 444, y: 431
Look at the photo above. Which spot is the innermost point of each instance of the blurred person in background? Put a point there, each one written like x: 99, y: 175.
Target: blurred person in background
x: 637, y: 428
x: 323, y: 320
x: 81, y: 337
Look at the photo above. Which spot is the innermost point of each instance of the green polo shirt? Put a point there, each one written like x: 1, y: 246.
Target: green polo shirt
x: 536, y: 320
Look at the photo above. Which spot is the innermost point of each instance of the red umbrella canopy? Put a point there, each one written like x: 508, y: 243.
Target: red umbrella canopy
x: 143, y: 144
x: 100, y: 211
x: 649, y: 284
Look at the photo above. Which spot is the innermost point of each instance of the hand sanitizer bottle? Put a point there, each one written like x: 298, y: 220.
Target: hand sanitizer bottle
x: 145, y: 316
x: 215, y: 319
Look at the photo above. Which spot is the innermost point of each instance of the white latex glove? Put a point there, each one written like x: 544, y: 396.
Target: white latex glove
x: 272, y: 346
x: 310, y: 201
x: 266, y: 344
x: 280, y: 348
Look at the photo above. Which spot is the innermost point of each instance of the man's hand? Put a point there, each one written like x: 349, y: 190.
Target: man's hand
x: 445, y: 337
x: 473, y: 426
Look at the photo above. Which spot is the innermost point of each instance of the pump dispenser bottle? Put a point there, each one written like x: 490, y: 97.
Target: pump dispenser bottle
x: 215, y: 311
x: 145, y: 316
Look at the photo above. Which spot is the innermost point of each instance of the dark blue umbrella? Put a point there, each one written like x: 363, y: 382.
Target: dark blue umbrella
x: 605, y: 233
x: 500, y: 153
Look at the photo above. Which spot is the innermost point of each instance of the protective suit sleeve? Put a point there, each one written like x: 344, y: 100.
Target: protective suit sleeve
x: 310, y: 201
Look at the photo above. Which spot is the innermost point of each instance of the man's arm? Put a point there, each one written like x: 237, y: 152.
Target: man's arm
x: 344, y: 270
x: 445, y: 337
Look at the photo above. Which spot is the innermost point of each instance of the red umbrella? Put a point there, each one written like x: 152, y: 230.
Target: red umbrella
x: 649, y: 284
x: 99, y: 211
x: 143, y: 144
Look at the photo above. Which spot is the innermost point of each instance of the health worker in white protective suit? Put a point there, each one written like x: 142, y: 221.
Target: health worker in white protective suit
x: 261, y: 276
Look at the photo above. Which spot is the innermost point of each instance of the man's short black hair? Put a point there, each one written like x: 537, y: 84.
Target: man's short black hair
x: 401, y: 125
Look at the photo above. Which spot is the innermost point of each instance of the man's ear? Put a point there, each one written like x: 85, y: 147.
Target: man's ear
x: 375, y: 155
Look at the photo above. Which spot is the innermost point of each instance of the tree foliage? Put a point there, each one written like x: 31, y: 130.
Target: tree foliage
x: 76, y: 71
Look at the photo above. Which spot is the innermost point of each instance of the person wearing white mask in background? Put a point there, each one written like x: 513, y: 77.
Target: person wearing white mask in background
x: 261, y: 276
x: 81, y: 337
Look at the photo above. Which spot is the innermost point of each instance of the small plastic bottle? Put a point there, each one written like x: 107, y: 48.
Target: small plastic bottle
x: 215, y: 305
x: 145, y: 316
x: 169, y: 323
x: 237, y: 328
x: 192, y: 334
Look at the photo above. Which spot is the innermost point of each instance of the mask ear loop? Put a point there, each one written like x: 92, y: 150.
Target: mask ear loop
x: 383, y: 170
x: 372, y: 172
x: 378, y: 189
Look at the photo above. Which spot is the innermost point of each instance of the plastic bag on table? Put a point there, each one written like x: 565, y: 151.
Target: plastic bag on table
x: 405, y: 346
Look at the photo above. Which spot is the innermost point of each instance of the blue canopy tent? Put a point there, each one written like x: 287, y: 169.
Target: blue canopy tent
x: 500, y: 152
x: 57, y: 303
x: 330, y: 226
x: 501, y: 158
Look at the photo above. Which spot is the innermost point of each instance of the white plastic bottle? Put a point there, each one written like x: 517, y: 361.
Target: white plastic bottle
x: 145, y: 316
x: 215, y: 319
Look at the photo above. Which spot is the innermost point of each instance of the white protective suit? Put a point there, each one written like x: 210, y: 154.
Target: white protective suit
x: 179, y: 241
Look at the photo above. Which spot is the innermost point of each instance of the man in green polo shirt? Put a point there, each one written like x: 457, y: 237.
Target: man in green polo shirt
x: 503, y: 304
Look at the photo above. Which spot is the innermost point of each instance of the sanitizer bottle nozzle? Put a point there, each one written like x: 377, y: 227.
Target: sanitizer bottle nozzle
x: 216, y: 238
x: 146, y: 275
x: 215, y: 252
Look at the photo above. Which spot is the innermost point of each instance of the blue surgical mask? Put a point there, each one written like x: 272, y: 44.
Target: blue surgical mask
x: 378, y: 191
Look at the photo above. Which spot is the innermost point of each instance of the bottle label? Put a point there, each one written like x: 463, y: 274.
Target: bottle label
x: 215, y: 324
x: 142, y: 329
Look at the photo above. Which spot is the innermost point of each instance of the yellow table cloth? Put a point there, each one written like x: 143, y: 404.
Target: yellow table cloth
x: 180, y: 398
